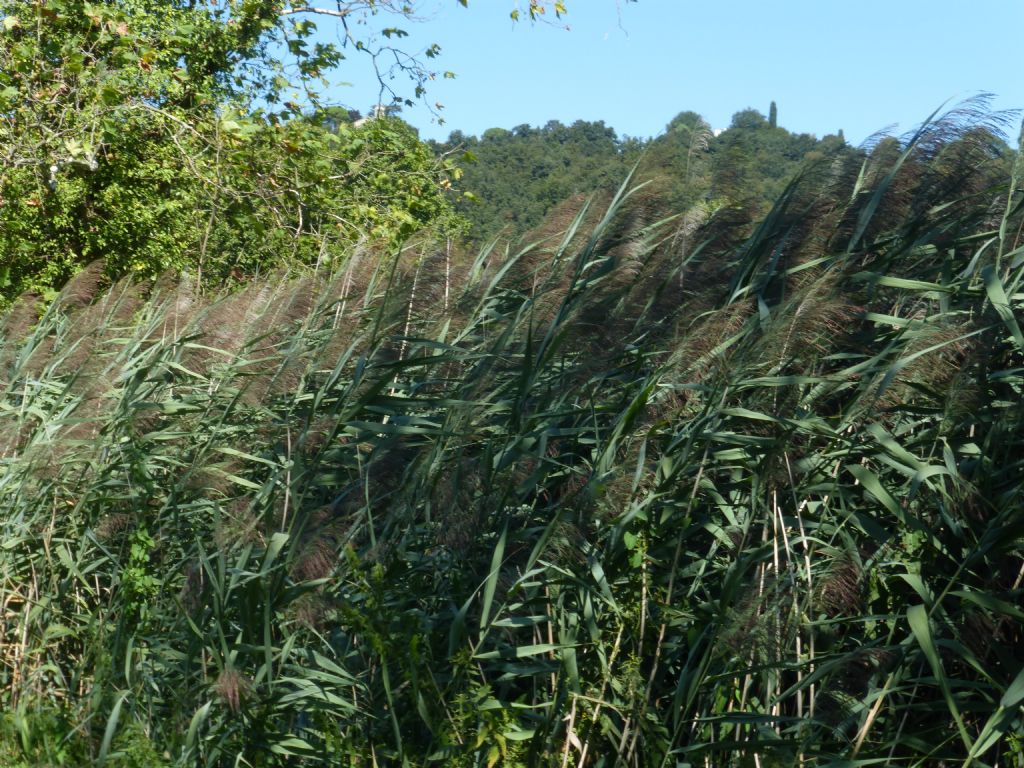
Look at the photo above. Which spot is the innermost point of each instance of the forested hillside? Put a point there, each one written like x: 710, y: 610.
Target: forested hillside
x: 695, y: 451
x: 512, y: 178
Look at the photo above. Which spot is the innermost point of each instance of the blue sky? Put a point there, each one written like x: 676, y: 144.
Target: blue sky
x: 829, y: 64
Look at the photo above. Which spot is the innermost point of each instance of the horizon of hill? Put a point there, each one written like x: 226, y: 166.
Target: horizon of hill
x: 513, y: 177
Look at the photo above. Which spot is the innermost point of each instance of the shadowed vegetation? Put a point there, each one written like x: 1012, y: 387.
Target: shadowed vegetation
x: 666, y: 486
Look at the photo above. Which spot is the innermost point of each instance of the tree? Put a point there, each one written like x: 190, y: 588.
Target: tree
x: 155, y: 134
x: 514, y: 178
x: 748, y: 119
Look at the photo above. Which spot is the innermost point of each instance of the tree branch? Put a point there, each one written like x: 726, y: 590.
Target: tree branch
x: 339, y: 13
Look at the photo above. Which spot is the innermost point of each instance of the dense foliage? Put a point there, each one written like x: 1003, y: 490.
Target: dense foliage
x: 513, y: 179
x: 671, y: 487
x: 157, y: 134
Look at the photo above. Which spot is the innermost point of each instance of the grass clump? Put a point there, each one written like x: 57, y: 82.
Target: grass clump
x: 660, y: 490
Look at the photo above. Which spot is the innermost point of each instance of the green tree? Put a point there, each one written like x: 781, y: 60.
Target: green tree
x: 679, y: 159
x: 156, y: 134
x: 753, y: 160
x: 513, y: 178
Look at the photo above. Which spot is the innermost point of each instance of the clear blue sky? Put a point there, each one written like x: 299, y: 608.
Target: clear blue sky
x: 829, y: 64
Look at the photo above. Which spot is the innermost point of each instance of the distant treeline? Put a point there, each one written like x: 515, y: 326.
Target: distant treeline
x: 513, y: 178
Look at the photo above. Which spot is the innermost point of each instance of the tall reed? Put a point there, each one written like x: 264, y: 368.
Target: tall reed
x: 632, y: 495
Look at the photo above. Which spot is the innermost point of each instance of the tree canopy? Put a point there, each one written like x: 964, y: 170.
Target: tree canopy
x: 511, y: 178
x: 161, y: 134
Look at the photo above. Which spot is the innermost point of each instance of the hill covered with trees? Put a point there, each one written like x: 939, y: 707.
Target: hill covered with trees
x: 511, y: 179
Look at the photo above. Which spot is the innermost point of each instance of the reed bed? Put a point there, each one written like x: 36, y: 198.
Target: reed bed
x: 644, y: 493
